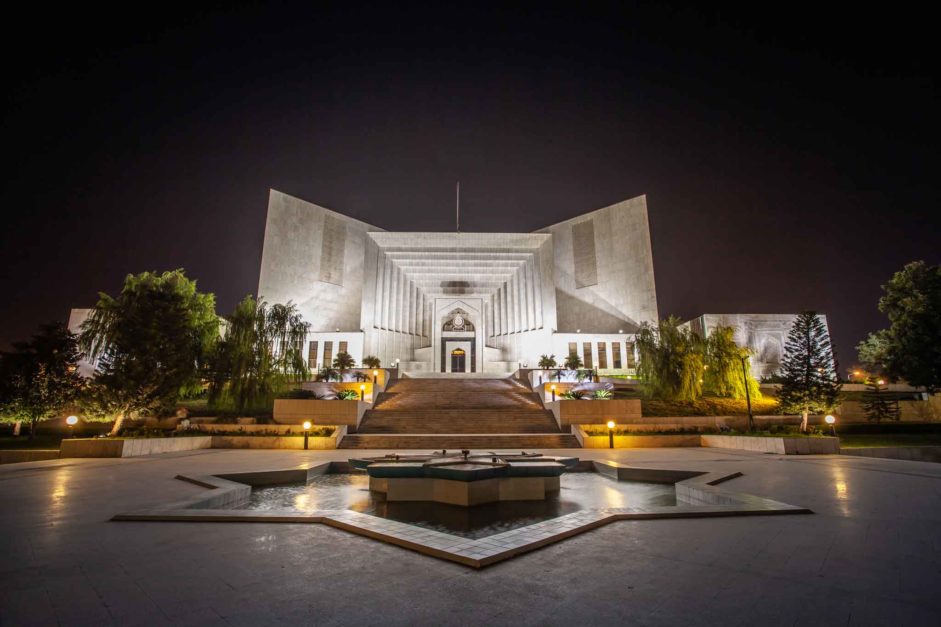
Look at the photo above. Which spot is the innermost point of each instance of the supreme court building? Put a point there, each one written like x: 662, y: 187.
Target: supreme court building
x: 465, y: 302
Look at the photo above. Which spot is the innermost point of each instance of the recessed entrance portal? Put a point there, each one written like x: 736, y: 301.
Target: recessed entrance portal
x: 458, y: 360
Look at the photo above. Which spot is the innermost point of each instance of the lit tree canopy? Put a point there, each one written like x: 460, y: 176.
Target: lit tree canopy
x: 671, y: 360
x: 263, y: 349
x: 727, y: 368
x: 40, y: 379
x: 152, y: 340
x: 910, y: 348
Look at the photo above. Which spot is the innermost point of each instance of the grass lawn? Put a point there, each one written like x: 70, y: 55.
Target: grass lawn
x: 890, y: 439
x: 23, y: 442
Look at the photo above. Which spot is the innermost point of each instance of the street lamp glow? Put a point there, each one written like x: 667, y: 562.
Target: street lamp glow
x: 610, y: 424
x: 306, y: 425
x: 71, y: 421
x: 830, y: 419
x: 881, y: 381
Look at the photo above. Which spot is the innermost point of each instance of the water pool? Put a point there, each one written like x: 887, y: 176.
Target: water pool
x: 582, y: 490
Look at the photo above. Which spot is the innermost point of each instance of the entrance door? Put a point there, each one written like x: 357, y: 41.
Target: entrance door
x: 457, y: 360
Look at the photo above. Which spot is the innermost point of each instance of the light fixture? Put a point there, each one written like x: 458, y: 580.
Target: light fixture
x: 552, y: 389
x: 830, y: 421
x: 362, y: 392
x: 71, y: 421
x: 610, y: 434
x: 307, y: 425
x: 620, y: 330
x: 306, y: 432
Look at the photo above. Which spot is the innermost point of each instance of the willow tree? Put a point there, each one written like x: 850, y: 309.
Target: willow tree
x: 151, y: 341
x: 261, y: 352
x: 727, y: 370
x: 671, y: 360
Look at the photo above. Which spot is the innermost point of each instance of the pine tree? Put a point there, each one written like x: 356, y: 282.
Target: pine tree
x: 877, y: 404
x: 808, y: 371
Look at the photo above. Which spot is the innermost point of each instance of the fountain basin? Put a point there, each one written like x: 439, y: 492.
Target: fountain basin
x: 465, y: 480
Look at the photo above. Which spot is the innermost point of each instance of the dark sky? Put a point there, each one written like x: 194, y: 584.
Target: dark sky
x: 789, y: 154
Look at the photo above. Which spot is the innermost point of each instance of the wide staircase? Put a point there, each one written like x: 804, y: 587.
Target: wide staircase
x: 452, y: 413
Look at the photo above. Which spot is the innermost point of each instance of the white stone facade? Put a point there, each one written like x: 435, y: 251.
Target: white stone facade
x: 487, y: 302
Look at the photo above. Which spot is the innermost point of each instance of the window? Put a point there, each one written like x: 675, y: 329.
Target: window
x: 312, y: 355
x: 616, y: 354
x: 603, y: 355
x: 343, y: 346
x: 586, y: 351
x: 327, y: 354
x: 573, y: 349
x: 631, y: 362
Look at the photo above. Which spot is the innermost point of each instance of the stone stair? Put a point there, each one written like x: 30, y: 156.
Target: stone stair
x: 478, y: 442
x: 452, y: 413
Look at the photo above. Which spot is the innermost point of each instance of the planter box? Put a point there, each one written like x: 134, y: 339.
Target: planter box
x: 781, y: 446
x: 131, y: 447
x: 16, y: 456
x: 273, y: 442
x: 598, y: 412
x: 289, y: 411
x: 640, y: 441
x: 909, y: 453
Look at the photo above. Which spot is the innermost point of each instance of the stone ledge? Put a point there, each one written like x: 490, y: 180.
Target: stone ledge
x: 780, y: 445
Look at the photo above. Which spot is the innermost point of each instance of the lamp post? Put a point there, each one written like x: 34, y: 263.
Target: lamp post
x: 375, y: 376
x: 71, y: 421
x: 610, y: 434
x: 306, y: 432
x: 831, y: 420
x: 552, y: 389
x: 362, y: 392
x: 751, y: 420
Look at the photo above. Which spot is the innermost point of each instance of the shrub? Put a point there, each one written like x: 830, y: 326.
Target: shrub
x: 602, y: 395
x: 348, y: 395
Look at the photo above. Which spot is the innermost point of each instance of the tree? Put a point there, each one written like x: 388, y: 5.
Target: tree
x: 371, y: 361
x: 573, y: 362
x: 40, y: 379
x: 343, y: 362
x: 910, y: 348
x: 877, y: 404
x: 671, y: 360
x: 261, y: 352
x: 152, y: 340
x: 547, y: 361
x: 808, y: 371
x: 727, y: 369
x: 874, y: 353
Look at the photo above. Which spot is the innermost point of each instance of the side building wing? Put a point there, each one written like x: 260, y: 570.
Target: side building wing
x: 313, y: 257
x: 604, y: 276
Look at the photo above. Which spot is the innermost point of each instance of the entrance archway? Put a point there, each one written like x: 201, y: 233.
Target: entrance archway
x: 458, y: 360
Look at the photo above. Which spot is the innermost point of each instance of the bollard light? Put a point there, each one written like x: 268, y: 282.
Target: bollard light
x: 306, y: 432
x: 610, y: 434
x: 831, y: 420
x: 552, y: 389
x: 375, y: 376
x: 71, y: 421
x: 362, y: 392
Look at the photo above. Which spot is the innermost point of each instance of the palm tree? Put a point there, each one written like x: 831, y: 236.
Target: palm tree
x: 343, y: 362
x: 547, y: 361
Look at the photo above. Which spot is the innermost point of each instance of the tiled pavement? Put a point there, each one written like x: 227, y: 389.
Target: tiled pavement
x: 870, y: 555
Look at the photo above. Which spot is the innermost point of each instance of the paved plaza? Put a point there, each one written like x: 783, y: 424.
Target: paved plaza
x: 869, y: 555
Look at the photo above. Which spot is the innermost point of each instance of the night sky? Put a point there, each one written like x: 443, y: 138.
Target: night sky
x: 789, y: 155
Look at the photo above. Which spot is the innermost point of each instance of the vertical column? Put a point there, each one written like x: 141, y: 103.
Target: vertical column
x: 537, y: 293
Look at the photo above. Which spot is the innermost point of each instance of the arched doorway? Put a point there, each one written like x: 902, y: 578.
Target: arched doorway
x: 458, y: 360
